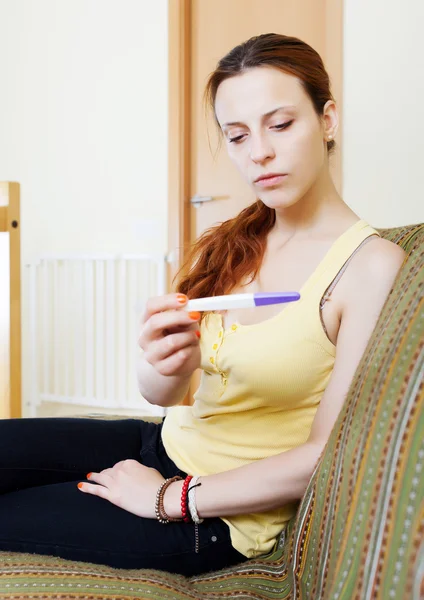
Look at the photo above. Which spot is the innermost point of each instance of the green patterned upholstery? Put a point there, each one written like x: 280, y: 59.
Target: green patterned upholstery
x: 360, y: 523
x: 359, y: 528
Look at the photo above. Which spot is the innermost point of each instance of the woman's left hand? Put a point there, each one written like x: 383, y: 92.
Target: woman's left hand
x: 129, y: 485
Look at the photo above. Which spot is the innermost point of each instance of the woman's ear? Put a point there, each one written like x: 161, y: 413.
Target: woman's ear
x: 330, y: 118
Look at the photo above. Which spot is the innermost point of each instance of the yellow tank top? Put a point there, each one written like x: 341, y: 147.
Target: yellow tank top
x: 260, y: 387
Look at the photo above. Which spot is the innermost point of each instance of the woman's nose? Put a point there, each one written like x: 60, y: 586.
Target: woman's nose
x: 261, y: 149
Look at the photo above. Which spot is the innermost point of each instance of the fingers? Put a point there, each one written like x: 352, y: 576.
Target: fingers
x: 105, y: 477
x: 160, y: 324
x: 170, y: 336
x: 102, y: 484
x: 95, y: 490
x: 171, y: 344
x: 194, y: 326
x: 172, y: 364
x: 161, y: 303
x: 104, y: 481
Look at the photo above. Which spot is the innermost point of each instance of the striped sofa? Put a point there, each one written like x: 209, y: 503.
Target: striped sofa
x: 359, y: 530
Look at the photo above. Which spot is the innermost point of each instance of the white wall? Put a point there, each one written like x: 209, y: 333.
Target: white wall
x: 83, y: 127
x: 383, y: 110
x: 83, y: 122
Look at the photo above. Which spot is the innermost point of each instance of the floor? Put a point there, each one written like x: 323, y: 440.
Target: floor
x: 53, y: 409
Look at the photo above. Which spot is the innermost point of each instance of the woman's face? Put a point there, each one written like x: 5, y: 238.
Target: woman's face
x: 271, y: 129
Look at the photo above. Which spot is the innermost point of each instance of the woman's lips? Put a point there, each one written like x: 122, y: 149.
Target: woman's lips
x: 270, y: 181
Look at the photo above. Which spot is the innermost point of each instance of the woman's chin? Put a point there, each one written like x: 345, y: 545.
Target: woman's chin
x: 277, y: 200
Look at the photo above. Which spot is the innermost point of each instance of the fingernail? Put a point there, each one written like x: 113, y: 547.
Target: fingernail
x: 89, y: 475
x: 197, y: 333
x: 80, y: 485
x: 182, y: 298
x: 194, y: 315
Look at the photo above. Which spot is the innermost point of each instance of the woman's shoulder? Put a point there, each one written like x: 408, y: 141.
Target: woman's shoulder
x: 371, y: 274
x: 378, y: 260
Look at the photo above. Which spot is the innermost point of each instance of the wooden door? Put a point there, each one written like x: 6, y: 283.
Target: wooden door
x: 200, y: 33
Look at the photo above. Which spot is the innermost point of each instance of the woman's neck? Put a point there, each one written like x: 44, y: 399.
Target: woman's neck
x: 321, y: 207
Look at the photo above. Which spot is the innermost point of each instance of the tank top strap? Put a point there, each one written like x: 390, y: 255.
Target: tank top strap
x: 338, y: 258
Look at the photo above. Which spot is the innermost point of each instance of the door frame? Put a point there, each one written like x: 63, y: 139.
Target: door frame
x: 179, y: 110
x: 179, y: 157
x: 10, y: 223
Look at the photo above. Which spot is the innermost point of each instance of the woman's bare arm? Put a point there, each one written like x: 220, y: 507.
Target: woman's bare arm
x: 277, y: 480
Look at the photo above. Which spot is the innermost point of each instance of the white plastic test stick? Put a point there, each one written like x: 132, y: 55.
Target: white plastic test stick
x: 232, y: 301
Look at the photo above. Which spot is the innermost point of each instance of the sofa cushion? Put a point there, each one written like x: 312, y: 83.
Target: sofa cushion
x: 357, y: 531
x: 30, y: 576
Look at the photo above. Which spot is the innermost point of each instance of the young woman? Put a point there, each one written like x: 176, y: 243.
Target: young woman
x: 273, y: 382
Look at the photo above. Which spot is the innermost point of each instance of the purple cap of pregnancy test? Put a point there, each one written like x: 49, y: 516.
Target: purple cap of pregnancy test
x: 275, y: 298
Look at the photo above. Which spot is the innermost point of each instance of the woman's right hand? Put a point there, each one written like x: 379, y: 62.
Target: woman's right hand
x: 170, y: 336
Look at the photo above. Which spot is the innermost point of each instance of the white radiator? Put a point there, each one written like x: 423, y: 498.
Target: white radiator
x: 84, y: 326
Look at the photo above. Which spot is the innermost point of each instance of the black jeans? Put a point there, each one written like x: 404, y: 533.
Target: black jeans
x: 43, y: 512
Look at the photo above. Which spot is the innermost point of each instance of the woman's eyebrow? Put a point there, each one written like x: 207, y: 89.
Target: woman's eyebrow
x: 264, y: 116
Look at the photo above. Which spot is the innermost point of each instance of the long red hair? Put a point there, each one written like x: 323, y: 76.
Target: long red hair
x: 228, y: 253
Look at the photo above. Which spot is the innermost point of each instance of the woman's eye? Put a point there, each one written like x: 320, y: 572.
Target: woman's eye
x: 283, y: 125
x: 279, y: 127
x: 236, y: 139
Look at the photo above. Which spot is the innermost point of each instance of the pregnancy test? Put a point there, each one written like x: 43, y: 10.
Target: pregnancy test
x: 240, y: 301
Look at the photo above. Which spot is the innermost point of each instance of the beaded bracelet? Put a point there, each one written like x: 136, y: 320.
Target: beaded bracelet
x: 184, y: 500
x: 161, y: 515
